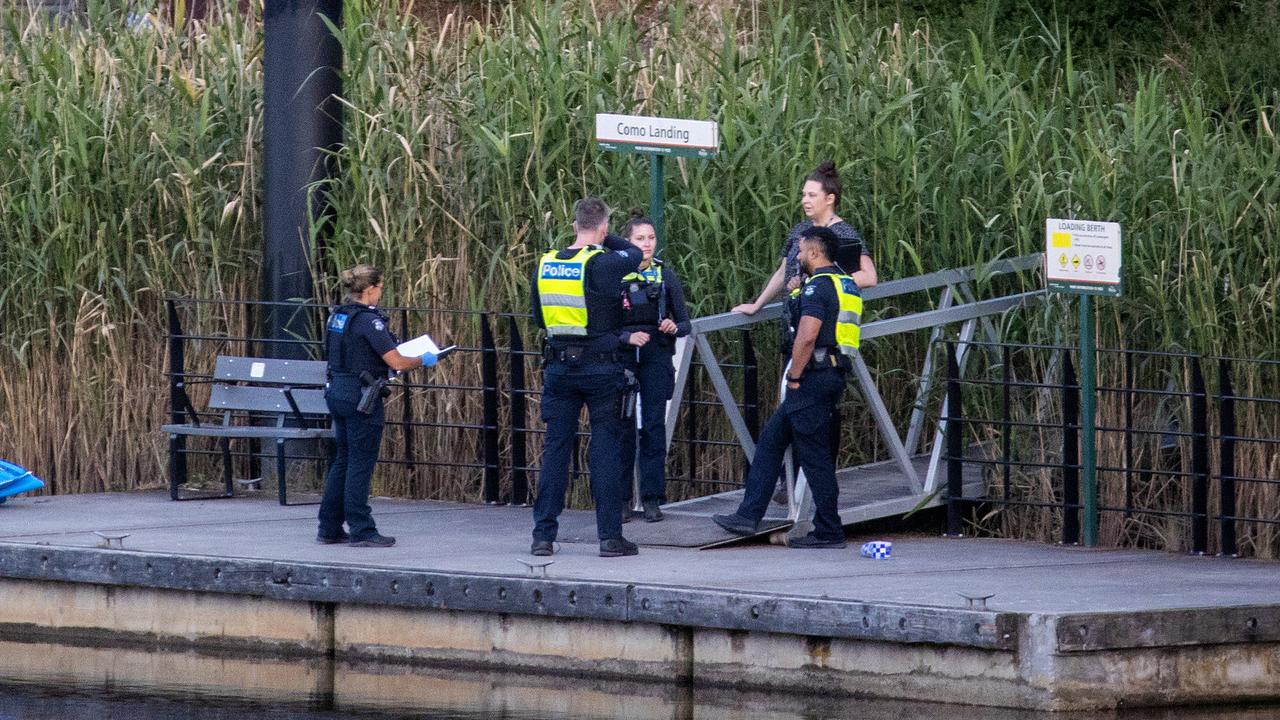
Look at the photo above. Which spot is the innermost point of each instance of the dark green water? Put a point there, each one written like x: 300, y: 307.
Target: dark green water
x: 59, y: 682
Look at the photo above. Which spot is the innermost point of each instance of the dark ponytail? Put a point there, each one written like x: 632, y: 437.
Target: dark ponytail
x: 636, y: 219
x: 828, y: 177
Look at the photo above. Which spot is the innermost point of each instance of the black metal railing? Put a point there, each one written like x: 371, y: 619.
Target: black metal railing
x: 484, y: 402
x: 1160, y: 427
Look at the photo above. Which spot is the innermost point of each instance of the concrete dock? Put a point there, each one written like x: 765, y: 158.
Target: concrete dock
x: 1065, y: 628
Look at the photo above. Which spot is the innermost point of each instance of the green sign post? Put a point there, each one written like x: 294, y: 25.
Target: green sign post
x: 1083, y: 258
x: 657, y: 138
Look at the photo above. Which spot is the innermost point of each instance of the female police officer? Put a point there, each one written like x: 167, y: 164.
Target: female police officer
x: 654, y: 315
x: 361, y: 352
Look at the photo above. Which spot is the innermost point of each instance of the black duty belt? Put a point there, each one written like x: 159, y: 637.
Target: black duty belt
x: 576, y: 355
x: 828, y: 358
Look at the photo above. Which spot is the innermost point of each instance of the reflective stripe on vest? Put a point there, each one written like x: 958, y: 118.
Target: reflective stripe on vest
x: 849, y: 318
x: 651, y: 275
x: 562, y: 292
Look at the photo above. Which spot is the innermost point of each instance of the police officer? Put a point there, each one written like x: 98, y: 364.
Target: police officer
x: 825, y: 321
x: 575, y: 298
x: 654, y: 315
x: 361, y: 353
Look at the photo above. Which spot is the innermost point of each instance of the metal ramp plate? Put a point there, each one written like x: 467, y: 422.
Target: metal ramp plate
x: 867, y: 492
x: 677, y: 529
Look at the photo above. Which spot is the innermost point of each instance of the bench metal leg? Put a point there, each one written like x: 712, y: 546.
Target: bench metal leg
x: 178, y: 471
x: 226, y: 465
x: 282, y: 476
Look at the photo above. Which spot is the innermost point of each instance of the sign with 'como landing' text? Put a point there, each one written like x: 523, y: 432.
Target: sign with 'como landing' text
x: 660, y: 136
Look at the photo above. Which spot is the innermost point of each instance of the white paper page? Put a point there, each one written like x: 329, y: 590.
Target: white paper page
x: 418, y: 346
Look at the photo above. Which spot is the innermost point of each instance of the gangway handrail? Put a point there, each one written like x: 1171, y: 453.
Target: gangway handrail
x: 888, y: 289
x: 954, y: 282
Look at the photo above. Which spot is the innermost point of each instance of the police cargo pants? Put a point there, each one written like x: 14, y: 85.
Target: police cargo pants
x: 565, y: 391
x: 801, y: 422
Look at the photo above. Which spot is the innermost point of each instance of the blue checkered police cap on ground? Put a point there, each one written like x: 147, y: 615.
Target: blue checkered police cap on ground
x: 877, y: 549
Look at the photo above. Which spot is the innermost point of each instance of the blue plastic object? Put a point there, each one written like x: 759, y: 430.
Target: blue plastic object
x: 15, y: 479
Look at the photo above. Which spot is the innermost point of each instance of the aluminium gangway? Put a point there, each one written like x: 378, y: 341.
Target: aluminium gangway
x: 910, y: 478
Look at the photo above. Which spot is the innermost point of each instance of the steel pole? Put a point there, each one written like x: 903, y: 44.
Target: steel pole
x: 1088, y: 420
x: 656, y: 200
x: 302, y: 128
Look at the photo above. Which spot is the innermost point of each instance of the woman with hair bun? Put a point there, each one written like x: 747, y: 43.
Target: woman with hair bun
x: 362, y: 353
x: 654, y: 315
x: 819, y: 198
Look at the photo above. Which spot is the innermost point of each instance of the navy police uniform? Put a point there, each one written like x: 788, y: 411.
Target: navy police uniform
x: 648, y: 297
x: 357, y: 336
x: 575, y: 298
x: 801, y: 421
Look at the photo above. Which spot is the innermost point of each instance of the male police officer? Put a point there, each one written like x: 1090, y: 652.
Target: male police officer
x: 825, y: 316
x: 575, y: 298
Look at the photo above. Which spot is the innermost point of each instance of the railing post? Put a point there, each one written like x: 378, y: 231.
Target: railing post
x: 955, y: 444
x: 1199, y: 461
x: 177, y: 387
x: 1070, y: 453
x: 489, y: 379
x: 1128, y: 433
x: 691, y: 425
x: 750, y: 386
x: 519, y: 421
x: 1006, y: 411
x: 406, y: 414
x: 751, y: 393
x: 1227, y: 459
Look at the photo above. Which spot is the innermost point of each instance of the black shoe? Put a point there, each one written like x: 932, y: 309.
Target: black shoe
x: 542, y: 548
x: 780, y: 495
x: 813, y: 542
x: 736, y: 524
x: 375, y: 540
x: 652, y: 513
x: 627, y: 515
x: 341, y: 538
x: 617, y: 547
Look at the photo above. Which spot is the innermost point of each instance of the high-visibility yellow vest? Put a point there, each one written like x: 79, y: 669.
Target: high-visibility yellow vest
x: 849, y: 319
x: 651, y: 275
x: 562, y: 292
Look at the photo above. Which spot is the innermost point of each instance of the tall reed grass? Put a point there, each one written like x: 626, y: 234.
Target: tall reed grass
x: 131, y: 170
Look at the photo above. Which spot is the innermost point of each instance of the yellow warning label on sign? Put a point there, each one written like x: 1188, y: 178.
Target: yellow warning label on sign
x: 1061, y: 239
x: 1075, y: 262
x: 1062, y: 260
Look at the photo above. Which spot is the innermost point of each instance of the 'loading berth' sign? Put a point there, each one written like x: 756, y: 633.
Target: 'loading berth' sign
x: 1082, y: 256
x: 660, y: 136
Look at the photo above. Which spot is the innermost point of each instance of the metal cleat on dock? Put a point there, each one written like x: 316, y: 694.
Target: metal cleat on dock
x: 249, y: 483
x: 977, y: 602
x: 536, y: 565
x: 111, y: 539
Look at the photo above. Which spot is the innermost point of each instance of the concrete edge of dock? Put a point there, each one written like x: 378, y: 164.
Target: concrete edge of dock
x: 1061, y: 661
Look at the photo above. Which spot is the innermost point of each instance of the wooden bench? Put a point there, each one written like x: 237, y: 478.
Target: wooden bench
x: 260, y: 399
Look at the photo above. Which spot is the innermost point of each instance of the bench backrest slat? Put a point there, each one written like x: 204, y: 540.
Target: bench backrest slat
x: 269, y: 370
x: 266, y: 399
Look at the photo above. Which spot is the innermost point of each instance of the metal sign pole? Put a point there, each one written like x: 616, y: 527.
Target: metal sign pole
x: 1088, y: 420
x: 1083, y: 257
x: 656, y: 200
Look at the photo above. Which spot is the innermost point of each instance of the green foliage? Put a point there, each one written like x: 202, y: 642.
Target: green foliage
x: 129, y: 168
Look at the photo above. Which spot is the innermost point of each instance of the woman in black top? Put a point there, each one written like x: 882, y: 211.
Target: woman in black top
x: 819, y: 198
x: 654, y: 316
x: 361, y: 350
